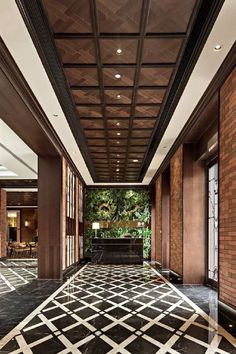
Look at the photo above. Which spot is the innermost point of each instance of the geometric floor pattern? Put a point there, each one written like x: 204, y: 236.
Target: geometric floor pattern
x: 14, y: 274
x: 118, y: 309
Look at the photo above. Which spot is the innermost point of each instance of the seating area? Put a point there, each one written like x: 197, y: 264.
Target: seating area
x: 22, y: 249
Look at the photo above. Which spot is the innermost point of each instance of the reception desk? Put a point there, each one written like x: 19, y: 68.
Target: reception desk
x: 117, y: 250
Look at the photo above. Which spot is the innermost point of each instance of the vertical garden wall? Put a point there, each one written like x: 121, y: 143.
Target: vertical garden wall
x: 118, y: 211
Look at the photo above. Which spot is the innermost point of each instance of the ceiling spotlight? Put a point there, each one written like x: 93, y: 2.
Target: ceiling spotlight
x: 117, y: 142
x: 118, y: 161
x: 118, y: 97
x: 118, y: 124
x: 117, y: 170
x: 217, y: 47
x: 135, y: 160
x: 55, y: 115
x: 230, y: 325
x: 119, y: 51
x: 117, y: 76
x: 73, y: 152
x: 117, y: 133
x: 118, y: 155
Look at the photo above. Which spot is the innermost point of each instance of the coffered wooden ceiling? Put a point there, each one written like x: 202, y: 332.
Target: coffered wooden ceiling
x: 120, y: 59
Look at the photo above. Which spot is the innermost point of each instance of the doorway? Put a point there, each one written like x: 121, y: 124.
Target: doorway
x: 13, y: 221
x: 212, y: 274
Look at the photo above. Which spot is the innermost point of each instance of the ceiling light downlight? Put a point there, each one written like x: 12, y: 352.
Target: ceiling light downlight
x: 135, y: 160
x: 119, y: 51
x: 117, y: 76
x: 217, y: 47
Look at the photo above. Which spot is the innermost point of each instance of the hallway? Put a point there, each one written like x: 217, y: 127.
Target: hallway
x: 118, y: 309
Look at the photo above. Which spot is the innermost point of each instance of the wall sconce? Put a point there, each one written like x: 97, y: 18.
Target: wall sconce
x: 95, y: 226
x: 26, y: 223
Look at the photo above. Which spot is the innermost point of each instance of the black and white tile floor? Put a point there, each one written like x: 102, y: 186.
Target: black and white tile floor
x: 118, y: 309
x: 14, y: 274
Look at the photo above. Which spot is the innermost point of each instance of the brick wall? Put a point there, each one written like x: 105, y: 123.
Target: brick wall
x: 158, y: 219
x: 3, y: 222
x: 176, y: 211
x: 227, y: 191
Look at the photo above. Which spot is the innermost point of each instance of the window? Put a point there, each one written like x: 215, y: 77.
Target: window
x: 213, y: 222
x: 70, y: 218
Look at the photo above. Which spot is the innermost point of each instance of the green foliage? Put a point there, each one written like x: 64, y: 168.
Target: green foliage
x: 115, y: 205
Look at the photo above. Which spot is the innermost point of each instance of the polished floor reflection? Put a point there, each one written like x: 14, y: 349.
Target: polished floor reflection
x: 118, y: 309
x: 15, y: 273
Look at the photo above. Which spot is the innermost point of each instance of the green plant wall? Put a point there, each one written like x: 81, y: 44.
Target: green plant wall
x: 118, y: 205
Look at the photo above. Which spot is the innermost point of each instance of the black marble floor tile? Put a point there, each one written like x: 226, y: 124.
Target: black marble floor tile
x: 118, y: 334
x: 159, y: 333
x: 96, y: 345
x: 186, y: 346
x: 141, y: 346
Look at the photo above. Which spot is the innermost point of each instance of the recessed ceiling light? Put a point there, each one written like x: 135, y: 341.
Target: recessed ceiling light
x: 118, y: 155
x: 117, y: 76
x: 118, y: 97
x: 230, y: 325
x: 117, y: 170
x: 117, y: 123
x: 117, y: 142
x: 73, y: 152
x: 217, y: 47
x: 117, y: 133
x: 119, y: 51
x: 55, y: 115
x: 135, y: 160
x: 118, y: 161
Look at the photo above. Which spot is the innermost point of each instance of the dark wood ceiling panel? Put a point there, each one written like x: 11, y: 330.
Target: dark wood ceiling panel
x: 101, y: 149
x: 92, y: 123
x: 118, y: 96
x: 139, y: 142
x: 98, y: 156
x: 119, y: 16
x: 161, y: 50
x: 82, y: 77
x: 119, y: 156
x: 118, y: 111
x: 141, y: 133
x: 169, y: 15
x: 86, y: 96
x: 150, y: 96
x: 100, y: 162
x: 89, y: 111
x: 144, y: 123
x: 96, y: 142
x: 94, y: 134
x: 118, y: 149
x: 109, y: 49
x: 155, y: 76
x: 121, y: 59
x: 126, y: 79
x: 76, y: 51
x: 137, y: 155
x: 138, y: 148
x: 117, y: 142
x: 147, y: 111
x: 118, y: 133
x: 69, y: 16
x: 118, y: 123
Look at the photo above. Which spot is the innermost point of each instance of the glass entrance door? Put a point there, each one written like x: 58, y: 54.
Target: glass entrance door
x: 213, y: 224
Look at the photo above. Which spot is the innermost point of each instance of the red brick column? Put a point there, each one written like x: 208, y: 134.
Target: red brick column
x: 176, y: 211
x: 3, y: 222
x: 227, y: 191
